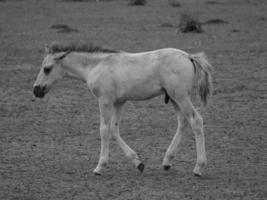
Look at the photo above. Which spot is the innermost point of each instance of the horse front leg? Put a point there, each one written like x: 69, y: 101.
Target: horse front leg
x: 128, y: 151
x: 105, y: 134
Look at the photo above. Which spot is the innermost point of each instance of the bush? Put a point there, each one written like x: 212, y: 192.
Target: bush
x: 216, y: 21
x: 80, y: 0
x: 167, y: 25
x: 188, y: 23
x: 137, y: 2
x: 174, y: 3
x: 63, y: 28
x: 213, y: 2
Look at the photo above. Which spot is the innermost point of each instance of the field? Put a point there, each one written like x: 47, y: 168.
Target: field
x: 49, y: 147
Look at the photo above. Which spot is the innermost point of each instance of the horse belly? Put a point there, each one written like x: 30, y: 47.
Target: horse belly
x: 140, y: 90
x: 137, y: 77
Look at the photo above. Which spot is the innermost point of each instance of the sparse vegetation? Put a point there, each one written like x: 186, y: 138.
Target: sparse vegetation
x: 213, y: 2
x: 59, y: 26
x: 174, y: 3
x: 80, y: 0
x: 216, y: 21
x: 167, y: 25
x: 137, y: 2
x: 188, y: 23
x: 63, y: 28
x: 235, y: 30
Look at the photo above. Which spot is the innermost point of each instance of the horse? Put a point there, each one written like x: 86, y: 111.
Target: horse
x: 115, y: 77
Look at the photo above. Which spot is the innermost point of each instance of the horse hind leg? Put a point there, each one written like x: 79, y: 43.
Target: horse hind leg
x: 172, y: 149
x: 196, y: 122
x: 192, y: 117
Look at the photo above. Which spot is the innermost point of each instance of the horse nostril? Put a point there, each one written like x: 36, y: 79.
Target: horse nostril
x: 39, y: 91
x: 36, y: 89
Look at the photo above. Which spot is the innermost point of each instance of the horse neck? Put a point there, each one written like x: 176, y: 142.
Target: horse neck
x: 79, y: 64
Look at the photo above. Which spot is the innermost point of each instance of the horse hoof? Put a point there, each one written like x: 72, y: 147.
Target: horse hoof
x: 141, y: 167
x: 166, y: 167
x: 197, y: 174
x: 97, y: 173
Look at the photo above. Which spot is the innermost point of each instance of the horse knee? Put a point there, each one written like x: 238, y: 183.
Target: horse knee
x: 182, y: 123
x: 197, y: 123
x: 115, y: 131
x: 104, y: 132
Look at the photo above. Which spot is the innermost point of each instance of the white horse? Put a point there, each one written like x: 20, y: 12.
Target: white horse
x: 115, y: 77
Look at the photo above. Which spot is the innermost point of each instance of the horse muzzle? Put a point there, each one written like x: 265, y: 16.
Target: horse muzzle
x: 40, y: 91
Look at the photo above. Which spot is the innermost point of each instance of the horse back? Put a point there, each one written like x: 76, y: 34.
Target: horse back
x: 137, y: 76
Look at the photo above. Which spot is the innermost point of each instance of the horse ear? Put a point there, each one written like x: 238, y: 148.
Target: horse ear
x: 62, y: 55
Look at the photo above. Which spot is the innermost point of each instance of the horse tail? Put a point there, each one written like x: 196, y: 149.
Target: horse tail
x: 202, y: 69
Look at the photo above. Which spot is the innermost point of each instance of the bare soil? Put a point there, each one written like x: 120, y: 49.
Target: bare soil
x: 49, y: 147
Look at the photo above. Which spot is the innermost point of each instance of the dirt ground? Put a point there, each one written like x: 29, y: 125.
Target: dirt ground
x: 49, y: 147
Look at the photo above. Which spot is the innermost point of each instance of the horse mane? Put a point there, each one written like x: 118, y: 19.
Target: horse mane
x: 57, y: 47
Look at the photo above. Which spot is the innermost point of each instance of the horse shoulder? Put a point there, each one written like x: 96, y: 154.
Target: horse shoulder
x: 100, y: 80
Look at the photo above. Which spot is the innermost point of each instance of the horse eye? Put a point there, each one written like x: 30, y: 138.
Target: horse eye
x: 47, y: 70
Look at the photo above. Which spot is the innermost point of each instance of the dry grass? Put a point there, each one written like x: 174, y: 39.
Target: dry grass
x: 49, y: 147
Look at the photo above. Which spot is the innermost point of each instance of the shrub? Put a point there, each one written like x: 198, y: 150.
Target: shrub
x: 59, y: 26
x: 167, y: 25
x: 63, y: 28
x: 213, y: 2
x: 79, y: 0
x: 216, y: 21
x: 174, y: 3
x: 137, y: 2
x: 188, y: 23
x: 235, y: 30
